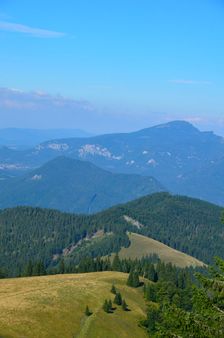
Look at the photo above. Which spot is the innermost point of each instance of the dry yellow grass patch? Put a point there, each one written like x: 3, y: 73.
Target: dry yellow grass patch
x: 142, y: 246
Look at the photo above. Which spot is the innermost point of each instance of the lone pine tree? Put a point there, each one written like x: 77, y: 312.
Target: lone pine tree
x: 113, y: 289
x: 106, y: 306
x: 118, y: 299
x: 124, y: 305
x: 87, y: 311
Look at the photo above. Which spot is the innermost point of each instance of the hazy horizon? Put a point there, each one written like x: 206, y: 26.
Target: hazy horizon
x: 91, y: 133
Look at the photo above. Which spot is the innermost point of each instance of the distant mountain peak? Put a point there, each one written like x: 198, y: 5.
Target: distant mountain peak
x: 175, y: 127
x: 74, y: 185
x: 178, y: 124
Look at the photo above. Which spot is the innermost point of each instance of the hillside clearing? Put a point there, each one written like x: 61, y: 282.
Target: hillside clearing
x: 142, y: 246
x: 53, y: 306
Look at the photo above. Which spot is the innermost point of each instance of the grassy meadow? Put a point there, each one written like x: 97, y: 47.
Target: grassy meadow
x: 142, y: 246
x: 54, y: 306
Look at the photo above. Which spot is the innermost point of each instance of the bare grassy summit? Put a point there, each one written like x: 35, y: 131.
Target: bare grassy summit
x: 144, y: 246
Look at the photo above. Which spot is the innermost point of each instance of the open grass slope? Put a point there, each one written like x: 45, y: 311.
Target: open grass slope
x: 53, y: 306
x: 142, y: 246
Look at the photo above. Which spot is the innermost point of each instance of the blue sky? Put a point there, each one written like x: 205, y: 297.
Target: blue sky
x: 114, y: 65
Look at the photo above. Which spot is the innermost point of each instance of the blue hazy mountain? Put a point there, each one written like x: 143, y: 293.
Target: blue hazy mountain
x: 174, y: 153
x: 76, y: 186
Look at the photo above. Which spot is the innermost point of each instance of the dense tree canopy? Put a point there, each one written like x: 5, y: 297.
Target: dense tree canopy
x: 34, y: 234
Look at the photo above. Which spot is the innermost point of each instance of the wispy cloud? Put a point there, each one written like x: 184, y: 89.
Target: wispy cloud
x: 11, y: 98
x: 36, y: 32
x: 190, y: 82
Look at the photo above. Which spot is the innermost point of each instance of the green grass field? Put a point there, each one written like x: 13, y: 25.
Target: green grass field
x: 53, y: 306
x: 142, y: 246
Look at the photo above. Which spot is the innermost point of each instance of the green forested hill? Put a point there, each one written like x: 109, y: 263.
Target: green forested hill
x: 74, y: 186
x: 186, y: 224
x: 189, y: 225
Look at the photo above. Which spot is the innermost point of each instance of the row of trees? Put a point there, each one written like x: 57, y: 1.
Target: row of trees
x: 149, y: 267
x: 89, y: 264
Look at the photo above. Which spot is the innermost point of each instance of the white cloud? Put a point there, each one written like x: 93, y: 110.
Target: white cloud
x: 38, y: 109
x: 190, y: 82
x: 36, y: 32
x: 12, y: 98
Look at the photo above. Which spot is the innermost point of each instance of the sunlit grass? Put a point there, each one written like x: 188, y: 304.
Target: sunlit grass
x: 53, y: 306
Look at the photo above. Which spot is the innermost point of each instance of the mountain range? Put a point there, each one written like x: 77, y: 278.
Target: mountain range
x: 178, y: 155
x: 76, y: 186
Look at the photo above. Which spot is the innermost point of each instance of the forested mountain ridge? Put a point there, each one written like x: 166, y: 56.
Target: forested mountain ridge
x: 189, y: 225
x: 174, y: 153
x: 75, y: 186
x: 186, y: 224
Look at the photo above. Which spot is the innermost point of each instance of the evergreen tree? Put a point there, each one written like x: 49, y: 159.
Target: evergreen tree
x: 2, y: 274
x: 151, y: 273
x: 61, y: 268
x: 136, y: 281
x: 113, y: 289
x: 39, y: 269
x: 106, y: 306
x: 118, y: 299
x: 150, y: 292
x: 176, y: 300
x: 87, y: 311
x: 152, y: 318
x: 124, y: 305
x: 29, y: 269
x: 133, y: 279
x: 116, y: 265
x: 130, y: 279
x: 110, y: 307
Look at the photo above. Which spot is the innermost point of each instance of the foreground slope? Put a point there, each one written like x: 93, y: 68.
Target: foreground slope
x: 144, y: 246
x: 53, y: 306
x: 75, y: 186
